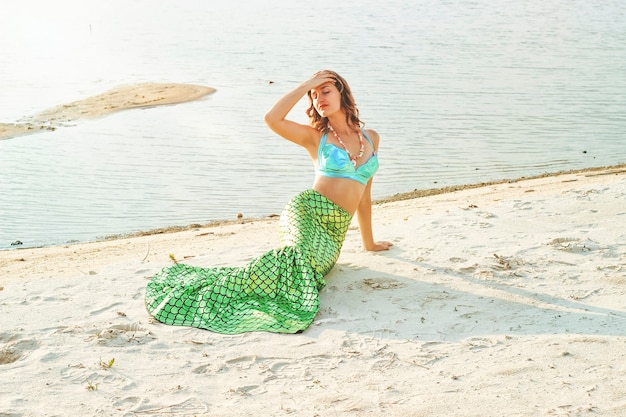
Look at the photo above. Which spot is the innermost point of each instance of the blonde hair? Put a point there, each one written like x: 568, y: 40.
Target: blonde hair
x: 347, y: 104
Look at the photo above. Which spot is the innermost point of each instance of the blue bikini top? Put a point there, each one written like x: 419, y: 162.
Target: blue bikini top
x: 334, y: 162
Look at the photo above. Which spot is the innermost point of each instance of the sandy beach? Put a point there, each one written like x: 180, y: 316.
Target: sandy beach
x: 116, y: 99
x: 501, y: 300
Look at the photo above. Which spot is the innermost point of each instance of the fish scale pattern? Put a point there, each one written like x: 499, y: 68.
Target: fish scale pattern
x: 276, y: 292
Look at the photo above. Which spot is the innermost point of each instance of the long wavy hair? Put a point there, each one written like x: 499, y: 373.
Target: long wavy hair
x: 347, y: 104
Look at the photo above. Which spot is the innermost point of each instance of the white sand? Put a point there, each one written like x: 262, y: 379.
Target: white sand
x: 506, y: 300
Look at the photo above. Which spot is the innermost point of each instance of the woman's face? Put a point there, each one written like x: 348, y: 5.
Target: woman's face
x: 326, y: 99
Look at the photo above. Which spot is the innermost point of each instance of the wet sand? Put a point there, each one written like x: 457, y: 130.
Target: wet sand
x: 116, y: 99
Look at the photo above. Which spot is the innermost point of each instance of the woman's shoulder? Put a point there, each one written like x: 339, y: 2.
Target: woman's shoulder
x: 373, y: 135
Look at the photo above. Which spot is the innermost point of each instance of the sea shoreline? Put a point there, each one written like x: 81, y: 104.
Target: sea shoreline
x: 603, y: 170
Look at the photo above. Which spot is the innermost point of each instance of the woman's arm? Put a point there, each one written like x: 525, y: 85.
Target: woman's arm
x: 364, y: 215
x: 298, y: 133
x: 364, y: 210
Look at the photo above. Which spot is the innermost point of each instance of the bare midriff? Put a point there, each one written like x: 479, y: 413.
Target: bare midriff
x: 344, y: 192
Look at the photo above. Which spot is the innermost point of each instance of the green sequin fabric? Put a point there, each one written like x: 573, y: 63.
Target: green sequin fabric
x: 276, y: 292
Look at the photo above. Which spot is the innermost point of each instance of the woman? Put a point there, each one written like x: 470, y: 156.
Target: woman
x: 279, y: 290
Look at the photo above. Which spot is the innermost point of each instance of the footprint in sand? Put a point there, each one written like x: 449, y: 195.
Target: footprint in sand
x: 574, y: 245
x: 12, y: 350
x: 122, y: 334
x: 382, y: 284
x: 587, y: 194
x: 485, y: 214
x: 523, y: 205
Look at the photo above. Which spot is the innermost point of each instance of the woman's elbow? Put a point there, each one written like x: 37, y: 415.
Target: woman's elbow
x: 272, y: 117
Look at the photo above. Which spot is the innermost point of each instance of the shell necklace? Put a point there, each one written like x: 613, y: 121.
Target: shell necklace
x: 361, y: 149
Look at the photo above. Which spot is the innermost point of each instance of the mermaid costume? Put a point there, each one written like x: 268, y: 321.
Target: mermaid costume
x: 277, y: 291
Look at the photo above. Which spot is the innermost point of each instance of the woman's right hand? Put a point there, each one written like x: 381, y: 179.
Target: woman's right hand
x: 275, y: 118
x: 319, y: 78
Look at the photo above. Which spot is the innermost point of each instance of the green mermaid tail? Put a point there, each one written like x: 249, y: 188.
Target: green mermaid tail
x: 276, y: 292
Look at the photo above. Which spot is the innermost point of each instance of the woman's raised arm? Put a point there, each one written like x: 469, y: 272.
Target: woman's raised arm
x: 275, y: 118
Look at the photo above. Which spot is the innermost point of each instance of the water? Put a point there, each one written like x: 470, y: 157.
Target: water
x: 459, y: 91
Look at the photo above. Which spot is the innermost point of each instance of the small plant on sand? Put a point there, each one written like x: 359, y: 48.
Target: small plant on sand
x: 107, y: 365
x: 173, y: 258
x: 91, y: 386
